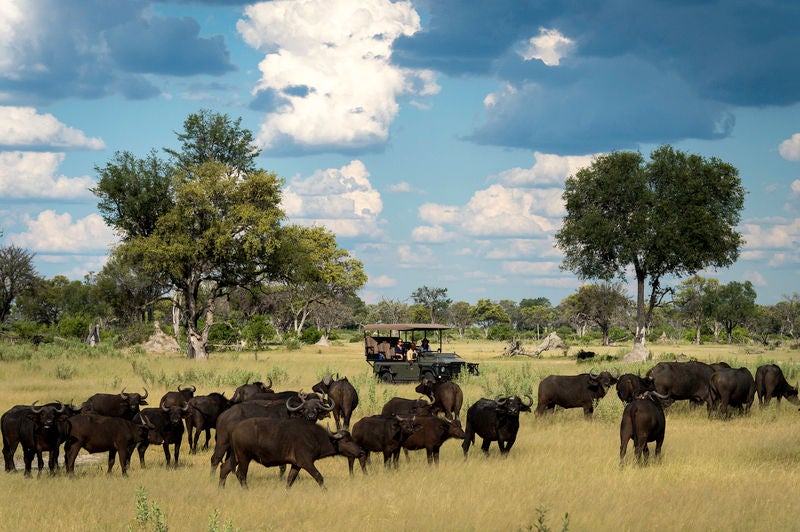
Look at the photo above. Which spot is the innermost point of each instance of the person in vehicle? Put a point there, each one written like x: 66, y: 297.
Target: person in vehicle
x: 399, y: 351
x: 425, y: 345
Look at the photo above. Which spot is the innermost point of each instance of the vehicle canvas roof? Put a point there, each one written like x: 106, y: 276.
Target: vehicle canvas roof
x: 405, y: 327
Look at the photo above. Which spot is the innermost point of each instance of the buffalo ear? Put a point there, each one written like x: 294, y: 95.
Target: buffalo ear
x: 143, y: 402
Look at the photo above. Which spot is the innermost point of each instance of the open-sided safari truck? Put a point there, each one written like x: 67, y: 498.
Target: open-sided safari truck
x: 411, y: 352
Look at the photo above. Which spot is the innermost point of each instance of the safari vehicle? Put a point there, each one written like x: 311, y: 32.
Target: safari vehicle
x: 411, y: 352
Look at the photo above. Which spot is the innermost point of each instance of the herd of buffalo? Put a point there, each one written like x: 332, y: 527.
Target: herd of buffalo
x: 280, y: 428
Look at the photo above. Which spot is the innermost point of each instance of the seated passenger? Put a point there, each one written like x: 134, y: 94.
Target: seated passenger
x: 411, y: 354
x: 425, y: 345
x: 399, y: 351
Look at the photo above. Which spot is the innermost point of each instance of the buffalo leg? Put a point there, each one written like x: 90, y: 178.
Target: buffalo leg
x: 52, y: 461
x: 485, y: 445
x: 112, y: 455
x: 208, y: 437
x: 71, y: 454
x: 314, y: 472
x: 39, y: 462
x: 27, y: 457
x: 167, y: 456
x: 142, y: 448
x: 176, y: 451
x: 8, y: 457
x: 241, y: 471
x: 290, y: 478
x: 224, y: 471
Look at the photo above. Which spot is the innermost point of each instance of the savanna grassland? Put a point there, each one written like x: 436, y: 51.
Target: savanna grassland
x: 739, y: 474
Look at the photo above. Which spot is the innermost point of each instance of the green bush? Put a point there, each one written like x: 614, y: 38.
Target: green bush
x: 310, y: 335
x: 74, y: 327
x: 500, y: 332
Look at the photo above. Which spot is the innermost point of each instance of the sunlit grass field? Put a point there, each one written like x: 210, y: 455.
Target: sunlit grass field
x: 740, y: 474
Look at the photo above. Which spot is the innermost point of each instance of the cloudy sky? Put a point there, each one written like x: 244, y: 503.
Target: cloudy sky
x: 432, y: 136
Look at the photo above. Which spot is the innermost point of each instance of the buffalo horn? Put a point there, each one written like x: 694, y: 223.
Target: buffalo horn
x: 61, y: 407
x: 123, y: 394
x: 269, y: 386
x: 530, y: 401
x: 335, y: 435
x: 329, y: 406
x: 189, y: 388
x: 34, y: 408
x: 592, y: 374
x: 500, y: 400
x: 291, y: 408
x: 146, y: 393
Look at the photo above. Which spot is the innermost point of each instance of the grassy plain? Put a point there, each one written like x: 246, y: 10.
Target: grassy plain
x: 739, y: 474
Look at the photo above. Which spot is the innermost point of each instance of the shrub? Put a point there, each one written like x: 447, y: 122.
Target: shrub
x: 311, y: 335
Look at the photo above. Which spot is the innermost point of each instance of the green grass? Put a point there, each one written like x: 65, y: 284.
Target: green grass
x: 738, y: 474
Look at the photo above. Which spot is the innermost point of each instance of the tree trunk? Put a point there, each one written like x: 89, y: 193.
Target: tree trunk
x: 176, y: 318
x: 697, y: 335
x: 641, y: 316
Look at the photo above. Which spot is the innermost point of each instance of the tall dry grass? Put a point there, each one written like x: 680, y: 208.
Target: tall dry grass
x: 738, y: 474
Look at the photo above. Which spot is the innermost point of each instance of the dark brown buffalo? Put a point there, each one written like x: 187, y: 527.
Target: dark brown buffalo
x: 203, y: 413
x: 731, y: 387
x: 643, y: 421
x: 311, y: 408
x: 630, y: 386
x: 380, y: 434
x: 573, y: 391
x: 11, y: 423
x: 495, y: 420
x: 682, y: 381
x: 398, y: 406
x: 38, y: 432
x: 770, y: 383
x: 446, y: 396
x: 278, y: 442
x: 99, y: 434
x: 344, y: 396
x: 430, y: 432
x: 243, y: 392
x: 167, y: 430
x: 115, y: 405
x: 179, y: 398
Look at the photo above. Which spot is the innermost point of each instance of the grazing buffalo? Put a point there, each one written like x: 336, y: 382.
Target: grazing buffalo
x: 344, y: 397
x: 446, y: 396
x: 380, y: 434
x: 243, y: 392
x: 682, y: 381
x: 430, y: 432
x: 39, y: 431
x: 115, y: 405
x: 99, y: 434
x: 179, y: 398
x: 731, y: 387
x: 312, y: 408
x: 630, y: 386
x: 573, y: 391
x: 168, y: 429
x: 11, y: 424
x: 278, y: 442
x: 770, y: 383
x: 495, y: 420
x: 203, y: 413
x: 398, y: 406
x: 643, y: 421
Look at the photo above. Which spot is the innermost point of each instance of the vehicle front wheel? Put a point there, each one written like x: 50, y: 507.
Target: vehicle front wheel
x: 387, y: 377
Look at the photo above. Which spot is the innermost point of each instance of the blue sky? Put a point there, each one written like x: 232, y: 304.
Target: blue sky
x: 433, y: 137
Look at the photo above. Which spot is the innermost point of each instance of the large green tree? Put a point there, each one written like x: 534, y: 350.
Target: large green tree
x: 694, y: 299
x: 433, y: 299
x: 603, y: 304
x: 675, y: 214
x: 17, y: 274
x: 734, y: 305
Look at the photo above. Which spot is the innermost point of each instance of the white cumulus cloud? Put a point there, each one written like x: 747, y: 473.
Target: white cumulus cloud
x: 34, y: 175
x: 341, y: 199
x: 327, y: 67
x: 790, y: 148
x: 24, y: 127
x: 549, y: 46
x: 51, y: 232
x: 549, y: 169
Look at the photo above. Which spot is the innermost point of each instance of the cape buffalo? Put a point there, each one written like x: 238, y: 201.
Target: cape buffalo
x: 39, y: 432
x: 495, y: 420
x: 573, y: 391
x: 203, y: 413
x: 731, y: 387
x: 381, y: 435
x: 643, y: 421
x: 682, y: 380
x: 276, y: 442
x: 398, y: 406
x: 630, y: 386
x: 168, y: 429
x: 770, y: 383
x: 98, y: 434
x: 179, y: 398
x: 343, y: 395
x: 11, y: 423
x: 115, y: 405
x: 446, y: 396
x: 432, y: 433
x: 243, y: 392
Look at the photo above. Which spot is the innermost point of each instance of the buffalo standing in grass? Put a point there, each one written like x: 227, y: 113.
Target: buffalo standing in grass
x: 168, y: 430
x: 278, y: 442
x: 399, y: 406
x: 770, y: 383
x: 39, y: 431
x: 246, y: 390
x: 98, y: 434
x: 630, y: 386
x: 11, y: 424
x: 124, y: 405
x: 495, y: 420
x: 433, y: 431
x: 731, y: 387
x: 446, y: 396
x: 643, y: 421
x: 682, y: 381
x: 344, y: 397
x: 381, y: 434
x: 203, y: 413
x: 573, y: 391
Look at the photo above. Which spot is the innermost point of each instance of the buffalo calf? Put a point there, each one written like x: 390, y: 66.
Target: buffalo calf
x: 643, y: 421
